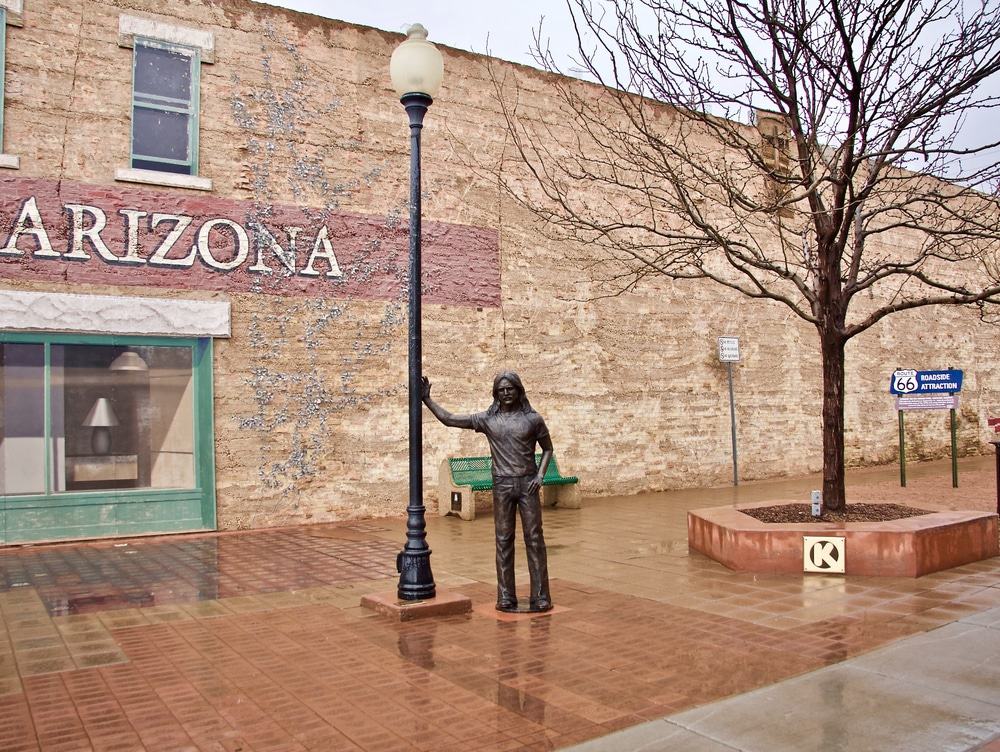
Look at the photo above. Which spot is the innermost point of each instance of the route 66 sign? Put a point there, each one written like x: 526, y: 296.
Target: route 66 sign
x: 904, y: 382
x: 926, y: 382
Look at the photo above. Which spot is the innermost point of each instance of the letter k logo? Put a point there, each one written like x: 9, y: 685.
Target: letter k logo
x: 824, y: 555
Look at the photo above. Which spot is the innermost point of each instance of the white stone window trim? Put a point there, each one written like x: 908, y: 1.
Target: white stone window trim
x: 150, y: 27
x: 110, y: 314
x: 15, y: 11
x: 171, y: 179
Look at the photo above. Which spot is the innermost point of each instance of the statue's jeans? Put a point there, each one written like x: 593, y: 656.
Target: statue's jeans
x: 510, y: 496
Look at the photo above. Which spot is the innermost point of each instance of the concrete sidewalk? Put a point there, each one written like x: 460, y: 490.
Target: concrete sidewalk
x: 937, y: 692
x: 256, y: 641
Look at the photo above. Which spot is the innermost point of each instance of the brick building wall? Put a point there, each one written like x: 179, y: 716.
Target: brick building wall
x: 299, y: 127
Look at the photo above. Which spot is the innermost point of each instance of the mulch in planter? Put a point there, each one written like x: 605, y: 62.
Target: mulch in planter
x: 791, y: 513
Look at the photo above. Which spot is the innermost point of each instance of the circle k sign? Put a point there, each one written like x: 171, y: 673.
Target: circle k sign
x: 825, y: 555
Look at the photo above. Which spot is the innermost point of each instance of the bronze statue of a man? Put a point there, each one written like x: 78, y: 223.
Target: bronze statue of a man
x: 513, y: 428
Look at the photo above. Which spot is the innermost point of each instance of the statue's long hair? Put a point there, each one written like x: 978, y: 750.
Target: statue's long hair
x: 514, y: 379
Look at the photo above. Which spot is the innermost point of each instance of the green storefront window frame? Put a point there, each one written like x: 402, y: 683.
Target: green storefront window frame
x: 204, y: 435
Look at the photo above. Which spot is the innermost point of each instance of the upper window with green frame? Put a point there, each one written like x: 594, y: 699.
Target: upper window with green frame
x: 165, y: 107
x: 3, y: 66
x: 10, y: 13
x: 166, y: 81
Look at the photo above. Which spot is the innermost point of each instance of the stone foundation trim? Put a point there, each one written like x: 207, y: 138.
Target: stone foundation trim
x: 909, y: 547
x: 150, y: 27
x: 107, y: 314
x: 169, y: 179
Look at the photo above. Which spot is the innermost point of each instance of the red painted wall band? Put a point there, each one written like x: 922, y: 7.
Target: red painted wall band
x: 460, y: 263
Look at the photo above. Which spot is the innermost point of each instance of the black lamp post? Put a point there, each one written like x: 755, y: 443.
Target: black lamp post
x: 416, y: 70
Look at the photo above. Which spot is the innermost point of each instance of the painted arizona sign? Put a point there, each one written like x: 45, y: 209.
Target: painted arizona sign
x: 52, y: 230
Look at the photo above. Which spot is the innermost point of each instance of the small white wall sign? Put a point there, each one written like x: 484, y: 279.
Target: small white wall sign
x: 729, y: 349
x: 822, y: 554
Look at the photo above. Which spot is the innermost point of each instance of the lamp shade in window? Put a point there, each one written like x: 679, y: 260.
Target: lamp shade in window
x: 101, y: 418
x: 128, y: 361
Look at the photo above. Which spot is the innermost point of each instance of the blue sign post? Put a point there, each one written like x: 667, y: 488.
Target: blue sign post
x: 926, y: 390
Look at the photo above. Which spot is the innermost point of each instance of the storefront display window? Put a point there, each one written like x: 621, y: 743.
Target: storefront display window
x: 101, y: 424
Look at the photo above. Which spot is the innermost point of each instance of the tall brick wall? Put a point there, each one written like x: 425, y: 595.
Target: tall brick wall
x: 299, y: 126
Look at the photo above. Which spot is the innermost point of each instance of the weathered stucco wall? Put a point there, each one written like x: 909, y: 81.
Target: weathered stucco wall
x: 299, y: 127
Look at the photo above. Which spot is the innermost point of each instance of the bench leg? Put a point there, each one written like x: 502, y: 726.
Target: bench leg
x: 468, y: 511
x: 566, y: 497
x: 445, y: 489
x: 548, y: 496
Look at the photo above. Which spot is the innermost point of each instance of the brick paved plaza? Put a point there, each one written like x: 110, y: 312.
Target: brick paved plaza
x: 256, y: 641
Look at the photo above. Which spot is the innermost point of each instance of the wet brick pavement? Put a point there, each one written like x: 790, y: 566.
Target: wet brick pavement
x: 145, y: 572
x: 255, y: 641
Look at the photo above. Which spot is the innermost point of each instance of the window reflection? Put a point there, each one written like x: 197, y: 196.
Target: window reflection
x: 22, y: 431
x: 128, y: 417
x: 120, y: 417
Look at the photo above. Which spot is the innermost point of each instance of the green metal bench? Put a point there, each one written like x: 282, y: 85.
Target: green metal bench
x: 460, y: 479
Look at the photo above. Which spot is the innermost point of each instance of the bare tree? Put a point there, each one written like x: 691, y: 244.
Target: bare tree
x: 798, y: 151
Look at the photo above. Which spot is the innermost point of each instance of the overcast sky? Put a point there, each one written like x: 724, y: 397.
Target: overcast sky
x: 465, y: 25
x: 506, y: 29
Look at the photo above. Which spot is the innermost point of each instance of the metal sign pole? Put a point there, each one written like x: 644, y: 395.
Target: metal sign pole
x: 902, y: 452
x: 996, y: 445
x: 729, y: 353
x: 732, y: 424
x: 954, y: 442
x: 954, y: 450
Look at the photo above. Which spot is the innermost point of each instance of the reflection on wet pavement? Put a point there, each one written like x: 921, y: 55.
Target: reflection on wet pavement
x: 147, y: 572
x: 256, y: 641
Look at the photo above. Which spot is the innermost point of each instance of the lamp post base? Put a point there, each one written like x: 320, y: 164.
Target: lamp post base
x: 447, y: 603
x: 416, y: 582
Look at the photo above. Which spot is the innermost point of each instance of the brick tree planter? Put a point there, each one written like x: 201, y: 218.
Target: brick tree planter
x: 909, y: 547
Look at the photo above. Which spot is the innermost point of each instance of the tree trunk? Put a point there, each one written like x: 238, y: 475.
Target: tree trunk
x: 832, y: 346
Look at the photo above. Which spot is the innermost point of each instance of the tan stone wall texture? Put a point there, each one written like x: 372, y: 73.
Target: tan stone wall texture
x: 310, y: 392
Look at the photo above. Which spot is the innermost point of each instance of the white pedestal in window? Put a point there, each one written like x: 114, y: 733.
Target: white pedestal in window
x: 102, y: 468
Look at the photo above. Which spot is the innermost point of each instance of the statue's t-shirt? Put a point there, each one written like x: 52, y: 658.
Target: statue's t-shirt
x: 512, y: 437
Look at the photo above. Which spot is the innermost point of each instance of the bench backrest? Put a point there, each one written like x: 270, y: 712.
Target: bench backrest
x: 468, y: 470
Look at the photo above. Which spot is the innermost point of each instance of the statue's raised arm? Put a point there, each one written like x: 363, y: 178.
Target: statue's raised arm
x: 449, y: 419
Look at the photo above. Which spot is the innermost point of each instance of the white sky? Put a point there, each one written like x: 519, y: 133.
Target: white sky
x: 506, y: 27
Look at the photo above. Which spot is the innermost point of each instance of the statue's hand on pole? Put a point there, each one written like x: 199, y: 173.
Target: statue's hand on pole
x: 453, y: 421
